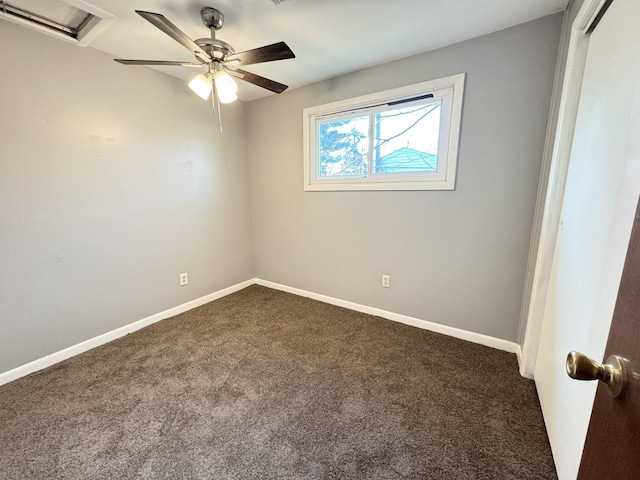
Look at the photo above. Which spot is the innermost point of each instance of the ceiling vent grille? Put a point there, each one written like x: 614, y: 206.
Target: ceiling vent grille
x: 72, y: 20
x: 279, y: 3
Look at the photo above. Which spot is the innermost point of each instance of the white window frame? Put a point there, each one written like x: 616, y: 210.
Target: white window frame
x: 449, y: 89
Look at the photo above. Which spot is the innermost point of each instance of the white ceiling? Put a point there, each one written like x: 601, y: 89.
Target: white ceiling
x: 329, y: 37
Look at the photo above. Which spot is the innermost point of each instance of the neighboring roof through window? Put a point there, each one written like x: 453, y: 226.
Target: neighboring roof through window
x: 407, y: 160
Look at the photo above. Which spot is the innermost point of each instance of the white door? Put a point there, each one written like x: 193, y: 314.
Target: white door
x: 602, y: 189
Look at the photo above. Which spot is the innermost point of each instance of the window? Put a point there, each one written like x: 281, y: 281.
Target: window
x: 401, y: 139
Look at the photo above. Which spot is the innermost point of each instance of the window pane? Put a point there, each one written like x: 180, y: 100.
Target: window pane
x: 406, y: 139
x: 343, y: 147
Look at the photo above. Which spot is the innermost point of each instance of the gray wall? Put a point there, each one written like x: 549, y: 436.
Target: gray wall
x: 457, y: 258
x: 113, y: 180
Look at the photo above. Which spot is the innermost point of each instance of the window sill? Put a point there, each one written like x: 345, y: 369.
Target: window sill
x: 399, y: 186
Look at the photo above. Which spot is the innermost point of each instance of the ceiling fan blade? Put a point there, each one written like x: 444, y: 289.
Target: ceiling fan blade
x: 259, y: 81
x: 268, y: 53
x: 174, y: 32
x: 165, y: 63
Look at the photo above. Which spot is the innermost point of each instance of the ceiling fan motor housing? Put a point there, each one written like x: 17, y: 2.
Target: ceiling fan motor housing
x: 217, y: 49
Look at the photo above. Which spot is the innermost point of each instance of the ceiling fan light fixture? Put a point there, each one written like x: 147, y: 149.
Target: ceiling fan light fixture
x: 228, y: 98
x: 226, y: 87
x: 201, y: 85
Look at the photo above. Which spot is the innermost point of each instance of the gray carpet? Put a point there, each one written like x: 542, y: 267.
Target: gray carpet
x: 263, y: 384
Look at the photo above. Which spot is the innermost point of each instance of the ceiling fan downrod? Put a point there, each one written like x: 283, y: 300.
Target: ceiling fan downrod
x: 218, y: 50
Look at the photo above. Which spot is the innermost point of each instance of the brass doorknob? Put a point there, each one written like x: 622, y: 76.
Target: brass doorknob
x: 613, y: 373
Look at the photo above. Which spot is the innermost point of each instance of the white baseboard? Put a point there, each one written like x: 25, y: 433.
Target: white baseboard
x: 82, y: 347
x: 479, y: 338
x: 524, y: 372
x: 94, y: 342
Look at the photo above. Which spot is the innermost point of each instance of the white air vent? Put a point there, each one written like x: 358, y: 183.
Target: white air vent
x: 281, y: 2
x: 72, y: 20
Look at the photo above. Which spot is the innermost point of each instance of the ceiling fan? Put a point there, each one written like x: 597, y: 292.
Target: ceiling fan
x: 219, y: 57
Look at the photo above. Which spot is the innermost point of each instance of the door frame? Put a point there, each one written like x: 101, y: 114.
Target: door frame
x: 555, y: 165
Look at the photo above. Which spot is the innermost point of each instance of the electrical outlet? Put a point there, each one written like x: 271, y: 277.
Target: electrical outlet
x: 184, y: 279
x: 386, y: 281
